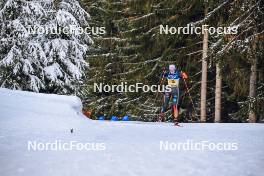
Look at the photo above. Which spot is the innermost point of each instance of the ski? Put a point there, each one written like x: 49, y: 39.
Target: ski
x: 177, y: 125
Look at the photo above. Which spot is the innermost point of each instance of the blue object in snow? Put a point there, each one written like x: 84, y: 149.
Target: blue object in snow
x: 125, y: 118
x: 114, y: 118
x: 101, y: 118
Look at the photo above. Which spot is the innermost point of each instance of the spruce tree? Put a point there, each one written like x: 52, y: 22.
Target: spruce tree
x: 133, y: 50
x: 42, y: 61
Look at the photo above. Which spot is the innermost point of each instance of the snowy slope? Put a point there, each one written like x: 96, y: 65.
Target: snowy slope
x: 132, y: 148
x: 41, y: 111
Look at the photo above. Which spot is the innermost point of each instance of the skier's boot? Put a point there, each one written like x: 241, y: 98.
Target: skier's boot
x: 176, y: 123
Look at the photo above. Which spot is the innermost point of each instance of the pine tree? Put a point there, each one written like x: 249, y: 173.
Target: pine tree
x: 204, y: 70
x: 218, y: 93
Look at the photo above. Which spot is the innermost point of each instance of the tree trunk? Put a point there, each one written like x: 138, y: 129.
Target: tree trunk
x: 218, y: 87
x: 253, y: 83
x: 218, y: 93
x: 204, y: 72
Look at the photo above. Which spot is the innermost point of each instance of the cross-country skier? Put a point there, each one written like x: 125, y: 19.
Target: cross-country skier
x: 172, y: 77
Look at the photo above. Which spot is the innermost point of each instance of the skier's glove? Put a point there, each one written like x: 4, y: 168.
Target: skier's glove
x: 184, y: 75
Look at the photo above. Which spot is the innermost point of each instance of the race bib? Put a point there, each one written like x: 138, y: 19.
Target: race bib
x: 173, y: 82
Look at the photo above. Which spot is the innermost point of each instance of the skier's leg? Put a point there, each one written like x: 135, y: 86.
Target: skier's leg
x: 166, y: 102
x: 178, y: 94
x: 164, y: 107
x: 175, y: 102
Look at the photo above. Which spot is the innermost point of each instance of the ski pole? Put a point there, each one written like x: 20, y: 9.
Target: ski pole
x: 190, y: 97
x: 161, y: 82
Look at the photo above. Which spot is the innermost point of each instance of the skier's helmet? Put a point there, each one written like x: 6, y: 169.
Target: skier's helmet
x: 172, y: 68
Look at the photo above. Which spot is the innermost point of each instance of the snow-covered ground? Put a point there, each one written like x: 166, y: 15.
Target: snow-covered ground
x: 131, y: 148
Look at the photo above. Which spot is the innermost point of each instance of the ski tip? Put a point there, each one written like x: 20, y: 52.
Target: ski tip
x: 177, y: 125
